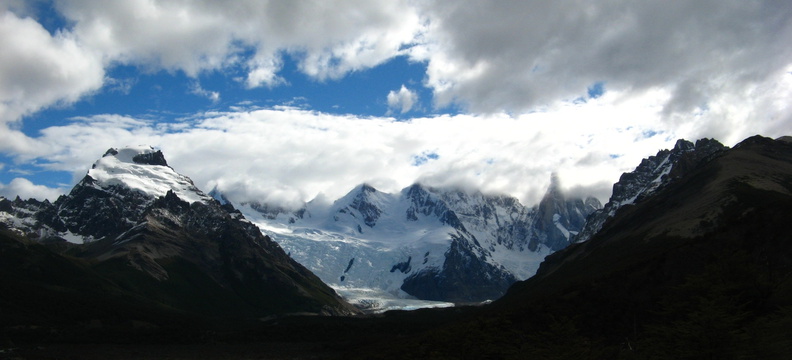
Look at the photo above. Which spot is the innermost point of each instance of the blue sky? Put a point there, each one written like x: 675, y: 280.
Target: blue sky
x: 281, y: 101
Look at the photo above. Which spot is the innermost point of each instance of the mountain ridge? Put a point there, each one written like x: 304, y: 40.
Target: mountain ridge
x: 461, y: 246
x: 649, y: 176
x: 142, y: 224
x: 698, y: 269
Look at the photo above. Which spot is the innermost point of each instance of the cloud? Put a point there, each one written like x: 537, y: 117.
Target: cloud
x: 264, y: 72
x: 287, y: 155
x: 519, y: 55
x: 26, y: 190
x: 650, y: 72
x: 330, y: 39
x: 195, y: 88
x: 513, y: 57
x: 290, y: 155
x: 402, y: 100
x: 38, y: 70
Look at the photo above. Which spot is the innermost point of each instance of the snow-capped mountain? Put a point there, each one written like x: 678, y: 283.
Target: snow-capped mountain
x: 137, y: 213
x: 654, y: 173
x: 423, y: 242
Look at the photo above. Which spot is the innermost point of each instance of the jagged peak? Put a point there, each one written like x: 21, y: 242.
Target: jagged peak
x: 684, y: 145
x: 554, y: 189
x: 142, y: 169
x: 707, y: 142
x: 218, y: 195
x: 141, y: 155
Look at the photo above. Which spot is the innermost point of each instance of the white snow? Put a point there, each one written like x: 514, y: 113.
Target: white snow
x: 559, y: 226
x: 152, y: 180
x: 666, y: 168
x: 73, y: 238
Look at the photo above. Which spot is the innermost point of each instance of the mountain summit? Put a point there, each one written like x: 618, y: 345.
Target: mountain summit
x: 137, y: 221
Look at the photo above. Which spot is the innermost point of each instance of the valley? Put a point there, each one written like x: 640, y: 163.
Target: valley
x: 697, y: 266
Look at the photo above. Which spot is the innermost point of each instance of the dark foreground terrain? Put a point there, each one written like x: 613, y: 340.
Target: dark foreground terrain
x: 293, y: 337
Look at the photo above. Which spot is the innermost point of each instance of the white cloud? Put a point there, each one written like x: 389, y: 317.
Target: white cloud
x: 513, y: 57
x: 38, y: 70
x: 330, y: 38
x: 263, y: 72
x: 288, y: 155
x: 402, y: 100
x: 195, y: 88
x: 26, y: 190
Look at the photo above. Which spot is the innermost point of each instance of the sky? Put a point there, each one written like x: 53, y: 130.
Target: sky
x: 286, y: 101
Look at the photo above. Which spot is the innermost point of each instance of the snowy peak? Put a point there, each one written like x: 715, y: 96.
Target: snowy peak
x: 424, y: 202
x: 143, y: 170
x: 365, y: 203
x: 116, y: 192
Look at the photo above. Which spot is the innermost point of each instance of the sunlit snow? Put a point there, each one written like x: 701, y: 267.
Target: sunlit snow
x: 152, y: 180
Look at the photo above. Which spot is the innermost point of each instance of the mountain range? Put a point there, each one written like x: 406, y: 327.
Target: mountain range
x: 690, y: 258
x: 441, y: 244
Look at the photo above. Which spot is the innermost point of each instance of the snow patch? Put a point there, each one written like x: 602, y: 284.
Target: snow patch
x: 559, y: 226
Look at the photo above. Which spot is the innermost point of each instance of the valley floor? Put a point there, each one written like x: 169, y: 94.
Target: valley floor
x: 298, y: 337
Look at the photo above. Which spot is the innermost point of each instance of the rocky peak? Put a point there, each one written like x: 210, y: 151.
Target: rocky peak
x: 424, y: 201
x: 683, y: 145
x: 558, y: 218
x: 142, y: 155
x: 364, y: 200
x: 652, y: 174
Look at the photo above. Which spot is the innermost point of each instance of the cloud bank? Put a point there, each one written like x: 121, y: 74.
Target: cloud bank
x: 288, y: 155
x: 517, y: 74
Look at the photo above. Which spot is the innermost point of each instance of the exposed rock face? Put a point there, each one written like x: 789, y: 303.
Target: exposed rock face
x: 559, y: 219
x: 654, y: 173
x: 463, y: 277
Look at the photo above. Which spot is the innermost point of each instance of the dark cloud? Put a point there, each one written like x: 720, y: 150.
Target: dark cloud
x: 517, y: 55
